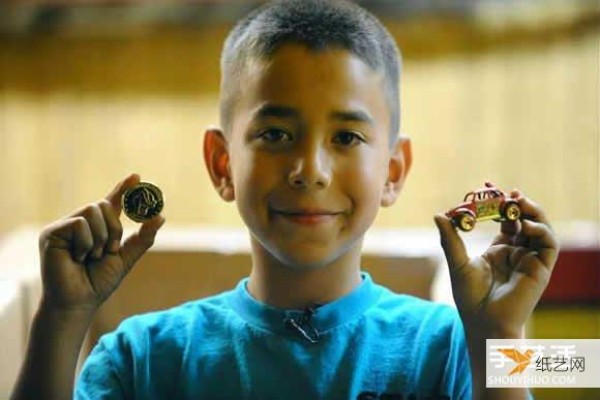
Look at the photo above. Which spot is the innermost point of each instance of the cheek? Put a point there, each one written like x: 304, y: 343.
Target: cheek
x: 253, y: 178
x: 363, y: 179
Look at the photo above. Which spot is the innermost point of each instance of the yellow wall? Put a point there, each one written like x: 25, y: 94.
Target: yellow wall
x: 78, y: 114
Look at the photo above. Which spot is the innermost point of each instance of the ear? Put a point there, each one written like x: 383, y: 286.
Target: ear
x: 216, y: 158
x: 398, y: 168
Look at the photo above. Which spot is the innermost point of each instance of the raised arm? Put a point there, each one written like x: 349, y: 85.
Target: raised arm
x: 82, y: 263
x: 497, y: 291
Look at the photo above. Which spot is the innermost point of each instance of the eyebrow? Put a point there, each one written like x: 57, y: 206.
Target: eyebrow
x: 353, y: 116
x: 272, y: 110
x: 277, y: 111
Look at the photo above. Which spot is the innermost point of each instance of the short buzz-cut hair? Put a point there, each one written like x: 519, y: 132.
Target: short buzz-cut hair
x: 318, y: 25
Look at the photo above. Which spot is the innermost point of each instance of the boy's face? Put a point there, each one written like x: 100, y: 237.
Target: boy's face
x: 308, y: 159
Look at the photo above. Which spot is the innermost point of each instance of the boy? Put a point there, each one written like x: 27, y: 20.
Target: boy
x: 309, y: 152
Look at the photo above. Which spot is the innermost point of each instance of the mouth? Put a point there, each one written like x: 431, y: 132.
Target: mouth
x: 307, y: 216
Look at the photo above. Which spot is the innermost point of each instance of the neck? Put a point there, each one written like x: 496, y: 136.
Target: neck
x: 294, y: 287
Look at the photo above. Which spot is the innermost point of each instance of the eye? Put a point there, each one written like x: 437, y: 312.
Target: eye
x: 347, y: 138
x: 274, y: 135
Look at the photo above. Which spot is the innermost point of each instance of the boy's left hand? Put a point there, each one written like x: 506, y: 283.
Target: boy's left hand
x: 496, y: 292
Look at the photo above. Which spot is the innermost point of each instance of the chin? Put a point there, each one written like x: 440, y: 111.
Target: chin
x: 304, y: 259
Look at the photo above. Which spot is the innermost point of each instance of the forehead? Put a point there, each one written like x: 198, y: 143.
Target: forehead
x: 313, y: 82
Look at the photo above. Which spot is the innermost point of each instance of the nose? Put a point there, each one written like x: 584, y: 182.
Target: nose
x: 311, y: 169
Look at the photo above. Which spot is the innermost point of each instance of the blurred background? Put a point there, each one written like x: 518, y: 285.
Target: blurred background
x: 498, y: 90
x: 492, y: 90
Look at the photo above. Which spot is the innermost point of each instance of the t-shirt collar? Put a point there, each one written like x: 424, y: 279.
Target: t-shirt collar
x: 326, y: 317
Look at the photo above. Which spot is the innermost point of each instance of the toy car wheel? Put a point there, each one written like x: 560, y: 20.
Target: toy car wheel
x: 512, y: 212
x: 465, y: 222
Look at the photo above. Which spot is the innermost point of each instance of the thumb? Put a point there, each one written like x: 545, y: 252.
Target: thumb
x: 138, y: 243
x: 115, y: 196
x: 454, y: 248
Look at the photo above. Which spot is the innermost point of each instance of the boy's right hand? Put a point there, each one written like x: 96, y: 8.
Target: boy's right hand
x: 82, y: 259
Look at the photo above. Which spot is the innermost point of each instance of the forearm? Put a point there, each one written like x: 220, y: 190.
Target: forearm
x: 53, y: 349
x: 476, y: 342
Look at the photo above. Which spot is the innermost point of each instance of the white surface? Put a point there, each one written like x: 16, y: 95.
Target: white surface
x: 21, y: 287
x: 19, y: 255
x: 11, y: 335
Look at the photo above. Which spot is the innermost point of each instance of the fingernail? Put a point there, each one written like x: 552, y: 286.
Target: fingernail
x: 133, y: 176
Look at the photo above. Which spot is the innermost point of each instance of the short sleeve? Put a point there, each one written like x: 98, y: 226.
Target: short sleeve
x: 99, y: 378
x: 463, y: 374
x: 463, y: 388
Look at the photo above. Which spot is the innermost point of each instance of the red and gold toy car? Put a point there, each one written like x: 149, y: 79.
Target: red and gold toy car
x: 482, y: 205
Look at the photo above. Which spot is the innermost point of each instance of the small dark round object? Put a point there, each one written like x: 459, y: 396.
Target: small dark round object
x: 142, y: 202
x: 512, y: 212
x: 466, y: 222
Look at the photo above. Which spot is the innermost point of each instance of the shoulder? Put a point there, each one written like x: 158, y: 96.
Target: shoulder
x: 432, y: 331
x: 417, y: 315
x: 147, y: 350
x: 409, y: 306
x: 174, y: 324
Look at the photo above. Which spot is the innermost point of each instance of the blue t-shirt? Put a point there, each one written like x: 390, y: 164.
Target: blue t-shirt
x: 371, y: 343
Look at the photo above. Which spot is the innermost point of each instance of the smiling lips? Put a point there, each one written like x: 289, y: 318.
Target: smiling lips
x: 307, y: 216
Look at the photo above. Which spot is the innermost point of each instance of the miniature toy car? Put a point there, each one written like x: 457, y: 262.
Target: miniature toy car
x: 482, y: 205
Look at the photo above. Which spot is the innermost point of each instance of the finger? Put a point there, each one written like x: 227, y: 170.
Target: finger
x: 517, y: 253
x: 515, y: 193
x: 113, y: 225
x: 97, y: 224
x: 504, y: 260
x: 540, y: 238
x: 72, y: 234
x: 139, y: 242
x: 454, y: 248
x: 115, y: 195
x: 529, y: 209
x: 506, y: 257
x: 529, y: 288
x: 510, y: 228
x: 508, y: 232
